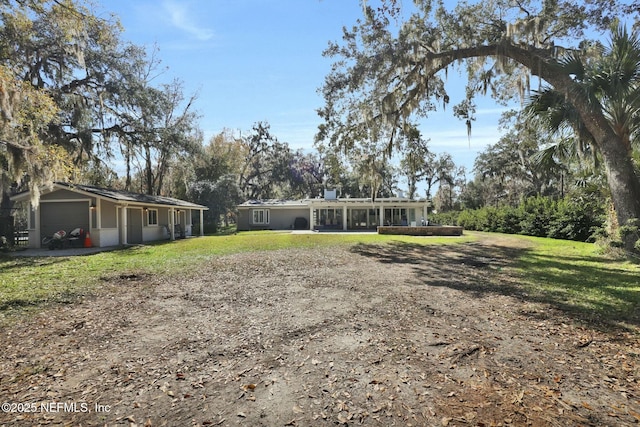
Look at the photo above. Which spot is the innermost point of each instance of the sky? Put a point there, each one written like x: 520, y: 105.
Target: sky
x: 261, y: 60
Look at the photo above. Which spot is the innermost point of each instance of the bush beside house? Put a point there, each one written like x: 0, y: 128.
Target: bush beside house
x: 568, y: 219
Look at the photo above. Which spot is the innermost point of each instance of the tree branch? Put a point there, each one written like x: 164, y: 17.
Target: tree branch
x: 16, y: 145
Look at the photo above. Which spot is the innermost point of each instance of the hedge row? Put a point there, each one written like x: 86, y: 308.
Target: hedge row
x: 536, y: 216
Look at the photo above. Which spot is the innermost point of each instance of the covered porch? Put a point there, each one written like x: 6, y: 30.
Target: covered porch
x: 365, y: 214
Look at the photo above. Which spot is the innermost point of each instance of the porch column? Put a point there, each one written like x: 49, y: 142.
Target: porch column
x: 344, y: 218
x: 425, y: 209
x: 36, y: 215
x: 311, y: 223
x: 201, y: 223
x: 98, y: 223
x: 381, y: 215
x: 124, y: 225
x: 172, y: 224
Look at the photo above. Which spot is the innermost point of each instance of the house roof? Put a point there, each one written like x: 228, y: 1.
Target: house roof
x: 122, y: 196
x: 284, y: 203
x: 271, y: 203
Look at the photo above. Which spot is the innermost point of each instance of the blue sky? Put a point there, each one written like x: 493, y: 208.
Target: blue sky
x: 261, y: 60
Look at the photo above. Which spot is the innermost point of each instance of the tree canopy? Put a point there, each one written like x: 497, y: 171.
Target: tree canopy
x: 392, y: 67
x: 75, y: 96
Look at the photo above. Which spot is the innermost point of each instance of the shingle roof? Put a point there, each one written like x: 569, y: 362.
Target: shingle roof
x: 127, y: 196
x: 273, y: 203
x: 121, y: 196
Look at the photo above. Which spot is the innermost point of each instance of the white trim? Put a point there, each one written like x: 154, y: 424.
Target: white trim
x: 98, y: 213
x: 66, y: 201
x: 155, y: 224
x: 265, y: 216
x: 56, y: 187
x: 36, y: 214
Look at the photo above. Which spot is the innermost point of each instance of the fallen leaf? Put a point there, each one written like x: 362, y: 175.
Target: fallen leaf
x: 518, y: 398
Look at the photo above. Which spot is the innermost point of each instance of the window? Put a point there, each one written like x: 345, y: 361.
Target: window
x: 261, y: 216
x: 152, y: 216
x: 395, y: 216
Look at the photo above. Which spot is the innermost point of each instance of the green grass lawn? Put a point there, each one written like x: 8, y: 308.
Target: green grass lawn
x: 572, y: 275
x: 28, y: 282
x: 578, y: 277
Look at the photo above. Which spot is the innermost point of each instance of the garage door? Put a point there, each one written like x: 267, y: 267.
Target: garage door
x: 63, y: 216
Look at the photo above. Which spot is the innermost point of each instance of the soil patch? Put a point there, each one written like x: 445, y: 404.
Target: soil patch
x: 368, y: 335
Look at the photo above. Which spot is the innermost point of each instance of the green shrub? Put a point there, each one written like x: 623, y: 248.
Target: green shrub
x: 569, y: 218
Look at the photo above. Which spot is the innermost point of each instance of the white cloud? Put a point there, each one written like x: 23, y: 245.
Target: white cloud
x: 181, y: 18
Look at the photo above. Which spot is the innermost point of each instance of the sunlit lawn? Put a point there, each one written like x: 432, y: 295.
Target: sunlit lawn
x: 27, y: 281
x: 578, y: 277
x: 572, y: 275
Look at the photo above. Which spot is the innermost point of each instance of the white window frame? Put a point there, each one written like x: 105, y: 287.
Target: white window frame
x: 149, y: 222
x: 260, y: 216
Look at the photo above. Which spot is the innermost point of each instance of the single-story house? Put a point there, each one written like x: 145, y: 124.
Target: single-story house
x: 111, y: 217
x: 330, y: 213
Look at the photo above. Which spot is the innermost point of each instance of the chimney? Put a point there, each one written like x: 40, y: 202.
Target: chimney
x: 330, y: 194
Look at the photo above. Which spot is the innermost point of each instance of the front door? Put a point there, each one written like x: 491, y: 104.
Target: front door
x: 134, y: 226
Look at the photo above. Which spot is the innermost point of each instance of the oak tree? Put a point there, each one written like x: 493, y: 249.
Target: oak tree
x: 392, y: 66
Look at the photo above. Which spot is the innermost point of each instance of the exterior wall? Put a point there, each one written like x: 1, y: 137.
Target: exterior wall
x: 109, y: 214
x: 159, y: 231
x: 66, y: 209
x: 279, y: 218
x: 34, y: 239
x: 63, y: 195
x: 154, y: 233
x: 105, y: 237
x: 283, y: 219
x: 108, y: 233
x: 32, y: 217
x: 341, y: 214
x: 242, y: 221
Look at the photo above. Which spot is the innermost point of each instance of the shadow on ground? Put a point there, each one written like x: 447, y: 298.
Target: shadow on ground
x: 488, y: 269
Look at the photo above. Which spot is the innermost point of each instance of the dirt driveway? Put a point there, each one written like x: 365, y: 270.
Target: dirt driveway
x: 399, y: 335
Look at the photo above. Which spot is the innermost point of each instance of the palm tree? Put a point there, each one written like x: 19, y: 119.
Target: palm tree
x: 611, y: 82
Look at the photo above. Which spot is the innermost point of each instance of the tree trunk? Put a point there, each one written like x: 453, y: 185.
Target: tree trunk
x: 623, y: 181
x: 624, y: 185
x: 148, y: 169
x: 127, y: 184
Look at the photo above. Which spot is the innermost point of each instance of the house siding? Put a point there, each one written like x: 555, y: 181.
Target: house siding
x: 63, y: 195
x: 279, y: 218
x: 242, y: 221
x: 109, y: 214
x: 333, y: 214
x: 101, y: 212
